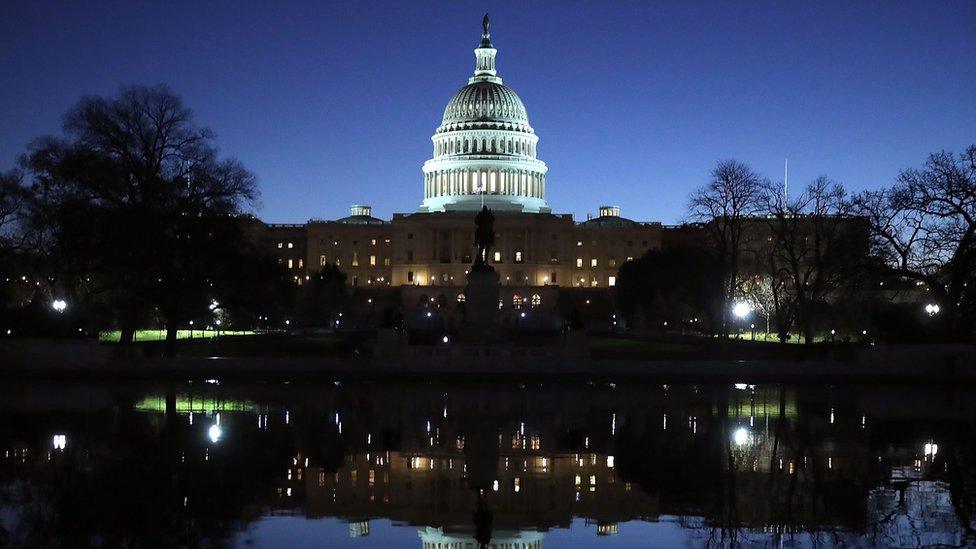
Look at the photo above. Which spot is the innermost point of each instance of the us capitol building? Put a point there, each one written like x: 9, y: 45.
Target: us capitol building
x: 485, y: 152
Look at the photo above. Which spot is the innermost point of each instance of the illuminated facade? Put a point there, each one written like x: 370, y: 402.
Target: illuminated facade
x: 484, y: 153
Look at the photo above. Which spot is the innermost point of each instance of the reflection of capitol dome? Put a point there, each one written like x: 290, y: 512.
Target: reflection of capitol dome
x: 485, y: 149
x: 437, y: 538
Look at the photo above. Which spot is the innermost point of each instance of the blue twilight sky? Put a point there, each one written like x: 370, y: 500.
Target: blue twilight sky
x: 334, y: 103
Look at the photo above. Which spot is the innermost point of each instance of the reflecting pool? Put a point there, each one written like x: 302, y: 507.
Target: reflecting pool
x: 515, y: 466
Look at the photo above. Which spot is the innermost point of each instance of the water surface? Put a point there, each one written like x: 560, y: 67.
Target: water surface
x: 438, y: 466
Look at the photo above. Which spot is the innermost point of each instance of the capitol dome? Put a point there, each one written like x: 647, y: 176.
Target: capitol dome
x: 485, y: 104
x: 485, y: 149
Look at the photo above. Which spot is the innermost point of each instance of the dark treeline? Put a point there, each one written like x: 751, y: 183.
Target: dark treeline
x: 899, y: 262
x: 131, y: 219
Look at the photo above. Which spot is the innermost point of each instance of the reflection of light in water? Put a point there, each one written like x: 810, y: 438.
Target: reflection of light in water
x: 59, y: 441
x: 740, y: 436
x: 214, y: 433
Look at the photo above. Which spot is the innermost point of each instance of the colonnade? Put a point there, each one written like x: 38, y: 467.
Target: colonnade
x: 488, y: 181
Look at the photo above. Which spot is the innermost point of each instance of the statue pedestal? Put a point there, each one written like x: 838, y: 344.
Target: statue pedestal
x: 481, y: 306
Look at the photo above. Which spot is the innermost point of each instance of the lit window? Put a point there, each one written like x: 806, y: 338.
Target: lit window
x: 630, y: 258
x: 536, y: 301
x: 579, y: 262
x: 322, y: 260
x: 372, y: 261
x: 460, y: 298
x: 290, y: 245
x: 372, y: 242
x: 498, y: 257
x: 301, y: 263
x: 518, y: 257
x: 386, y: 241
x: 612, y: 281
x: 291, y: 263
x: 355, y: 259
x: 612, y: 262
x: 579, y: 242
x: 281, y: 245
x: 593, y: 262
x: 386, y: 261
x: 517, y: 301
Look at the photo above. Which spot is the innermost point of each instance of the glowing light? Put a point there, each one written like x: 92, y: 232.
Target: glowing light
x: 445, y: 339
x: 741, y: 310
x: 214, y: 433
x: 59, y: 305
x: 932, y: 309
x: 59, y: 441
x: 494, y: 486
x: 741, y: 436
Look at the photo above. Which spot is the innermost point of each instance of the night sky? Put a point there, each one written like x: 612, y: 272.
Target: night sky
x: 334, y: 104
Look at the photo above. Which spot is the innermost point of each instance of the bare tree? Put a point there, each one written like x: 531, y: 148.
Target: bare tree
x: 815, y: 250
x: 130, y: 199
x: 924, y: 227
x: 731, y: 196
x: 12, y: 195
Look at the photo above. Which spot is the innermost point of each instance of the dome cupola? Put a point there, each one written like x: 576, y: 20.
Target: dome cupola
x: 484, y: 149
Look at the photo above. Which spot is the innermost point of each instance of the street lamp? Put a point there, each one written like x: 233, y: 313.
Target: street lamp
x: 741, y: 309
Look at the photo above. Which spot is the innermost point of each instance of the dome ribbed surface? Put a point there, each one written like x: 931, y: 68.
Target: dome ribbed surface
x: 485, y: 101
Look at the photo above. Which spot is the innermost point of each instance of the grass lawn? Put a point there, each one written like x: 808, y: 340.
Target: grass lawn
x: 112, y: 336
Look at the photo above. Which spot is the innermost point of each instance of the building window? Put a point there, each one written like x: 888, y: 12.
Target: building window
x: 386, y: 261
x: 594, y: 282
x: 386, y: 241
x: 290, y: 245
x: 372, y: 261
x: 355, y: 280
x: 498, y: 257
x: 409, y: 255
x: 355, y: 259
x: 579, y: 243
x: 409, y: 276
x: 338, y: 262
x: 281, y: 245
x: 593, y: 262
x: 322, y: 260
x: 518, y: 257
x: 409, y: 236
x: 536, y: 301
x: 372, y: 242
x: 301, y: 263
x: 630, y: 258
x: 554, y: 257
x: 579, y: 262
x: 552, y: 277
x: 291, y: 264
x: 517, y: 301
x: 612, y: 281
x: 612, y: 262
x: 460, y: 298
